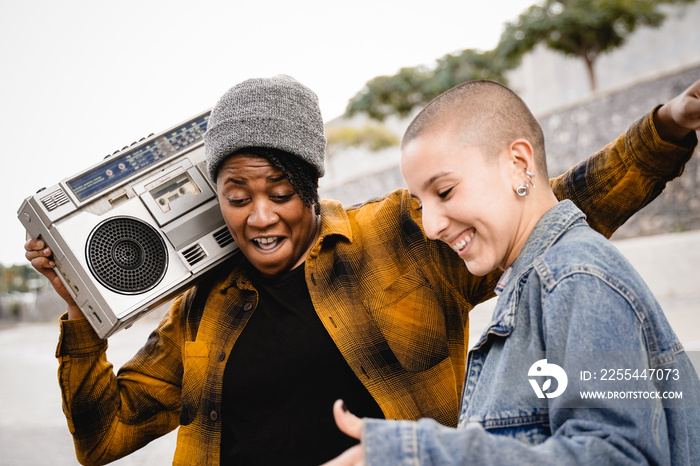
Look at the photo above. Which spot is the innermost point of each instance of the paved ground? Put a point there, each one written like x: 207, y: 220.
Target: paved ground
x: 33, y: 430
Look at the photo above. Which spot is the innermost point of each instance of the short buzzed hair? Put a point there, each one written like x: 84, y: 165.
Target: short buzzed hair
x: 486, y: 114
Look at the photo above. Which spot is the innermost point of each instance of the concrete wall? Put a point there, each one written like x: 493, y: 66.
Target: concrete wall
x: 575, y: 132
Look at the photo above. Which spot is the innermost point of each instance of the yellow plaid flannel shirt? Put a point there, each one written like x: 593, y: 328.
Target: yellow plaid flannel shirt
x: 395, y: 303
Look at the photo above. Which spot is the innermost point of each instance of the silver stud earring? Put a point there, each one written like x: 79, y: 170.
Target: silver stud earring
x: 522, y: 190
x: 530, y: 176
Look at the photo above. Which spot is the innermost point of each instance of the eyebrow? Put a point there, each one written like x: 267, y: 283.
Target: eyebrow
x: 243, y: 182
x: 434, y: 178
x: 237, y: 181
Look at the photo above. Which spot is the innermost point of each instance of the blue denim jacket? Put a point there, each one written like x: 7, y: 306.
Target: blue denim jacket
x: 573, y: 321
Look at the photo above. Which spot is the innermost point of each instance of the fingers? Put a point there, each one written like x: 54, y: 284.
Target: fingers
x: 688, y: 108
x: 350, y: 457
x: 34, y: 244
x: 692, y: 113
x: 38, y: 254
x: 679, y: 116
x: 351, y: 425
x: 41, y: 258
x: 347, y: 422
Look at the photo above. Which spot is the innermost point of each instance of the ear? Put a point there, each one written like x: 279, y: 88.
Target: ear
x: 521, y: 157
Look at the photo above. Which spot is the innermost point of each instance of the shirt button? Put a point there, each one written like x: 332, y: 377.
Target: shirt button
x: 248, y: 307
x: 213, y: 416
x: 222, y: 356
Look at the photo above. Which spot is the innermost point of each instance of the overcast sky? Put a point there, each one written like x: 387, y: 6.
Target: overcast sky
x: 81, y: 79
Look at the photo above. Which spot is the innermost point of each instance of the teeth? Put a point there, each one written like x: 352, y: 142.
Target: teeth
x: 462, y: 244
x: 268, y: 240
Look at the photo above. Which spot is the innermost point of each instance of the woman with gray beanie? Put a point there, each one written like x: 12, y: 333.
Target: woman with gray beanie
x: 321, y: 303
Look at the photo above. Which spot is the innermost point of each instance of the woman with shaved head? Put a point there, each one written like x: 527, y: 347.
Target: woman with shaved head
x: 578, y: 364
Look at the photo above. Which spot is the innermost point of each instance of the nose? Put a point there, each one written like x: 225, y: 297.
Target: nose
x: 434, y: 221
x: 262, y: 214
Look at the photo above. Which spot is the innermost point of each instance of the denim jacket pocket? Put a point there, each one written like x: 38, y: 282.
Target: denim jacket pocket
x: 196, y: 364
x: 411, y: 320
x: 531, y: 428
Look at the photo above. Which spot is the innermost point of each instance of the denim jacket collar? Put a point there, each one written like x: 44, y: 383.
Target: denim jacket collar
x: 553, y: 224
x: 559, y: 219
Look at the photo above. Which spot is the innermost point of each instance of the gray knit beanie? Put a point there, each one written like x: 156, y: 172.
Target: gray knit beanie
x: 278, y: 113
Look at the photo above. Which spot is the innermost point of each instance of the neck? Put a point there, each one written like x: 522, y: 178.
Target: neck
x: 535, y: 207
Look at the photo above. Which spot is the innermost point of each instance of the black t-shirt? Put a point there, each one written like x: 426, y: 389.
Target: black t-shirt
x: 281, y: 380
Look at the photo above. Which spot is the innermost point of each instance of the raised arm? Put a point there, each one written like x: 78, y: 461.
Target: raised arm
x: 112, y: 415
x: 633, y: 170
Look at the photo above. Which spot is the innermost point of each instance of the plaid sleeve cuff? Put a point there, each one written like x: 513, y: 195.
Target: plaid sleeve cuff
x: 77, y: 338
x: 663, y: 159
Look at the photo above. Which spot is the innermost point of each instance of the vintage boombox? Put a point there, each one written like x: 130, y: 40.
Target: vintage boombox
x: 131, y: 232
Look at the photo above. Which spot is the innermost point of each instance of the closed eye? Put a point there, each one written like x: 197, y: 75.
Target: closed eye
x: 237, y: 202
x: 282, y: 198
x: 445, y: 193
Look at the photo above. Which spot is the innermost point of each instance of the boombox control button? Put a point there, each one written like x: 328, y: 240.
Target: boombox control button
x: 94, y: 315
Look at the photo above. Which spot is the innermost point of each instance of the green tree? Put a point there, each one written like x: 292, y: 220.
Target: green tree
x: 467, y: 65
x: 415, y: 87
x: 388, y: 95
x: 582, y: 28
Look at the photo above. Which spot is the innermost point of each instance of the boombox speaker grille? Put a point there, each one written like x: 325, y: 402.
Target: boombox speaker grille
x: 127, y: 255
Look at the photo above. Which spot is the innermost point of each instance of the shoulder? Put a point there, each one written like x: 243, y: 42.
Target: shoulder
x: 583, y: 250
x: 584, y: 278
x: 388, y: 218
x: 222, y: 277
x: 585, y: 270
x: 395, y: 202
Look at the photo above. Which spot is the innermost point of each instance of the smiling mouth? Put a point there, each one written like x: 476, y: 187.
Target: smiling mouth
x: 460, y: 245
x: 268, y: 243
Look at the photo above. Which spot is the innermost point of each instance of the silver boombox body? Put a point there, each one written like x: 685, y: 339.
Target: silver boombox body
x: 131, y: 232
